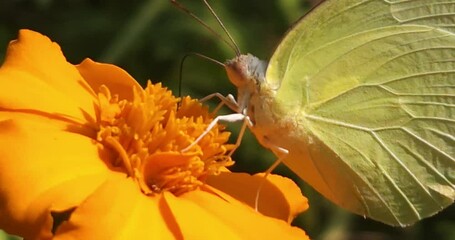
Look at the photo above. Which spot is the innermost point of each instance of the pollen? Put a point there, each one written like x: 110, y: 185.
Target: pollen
x: 149, y: 132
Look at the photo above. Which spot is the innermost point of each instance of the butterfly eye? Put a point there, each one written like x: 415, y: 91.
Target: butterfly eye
x: 237, y: 72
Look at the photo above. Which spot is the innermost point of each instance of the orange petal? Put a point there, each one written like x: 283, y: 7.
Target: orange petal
x: 36, y: 75
x: 202, y: 215
x: 118, y: 210
x: 43, y: 168
x: 116, y: 79
x: 287, y: 202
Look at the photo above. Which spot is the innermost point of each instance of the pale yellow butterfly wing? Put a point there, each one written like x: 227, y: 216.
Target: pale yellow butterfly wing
x: 370, y: 86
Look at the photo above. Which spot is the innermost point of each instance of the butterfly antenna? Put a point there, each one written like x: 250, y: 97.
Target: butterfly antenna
x: 183, y: 61
x: 236, y: 47
x: 231, y: 44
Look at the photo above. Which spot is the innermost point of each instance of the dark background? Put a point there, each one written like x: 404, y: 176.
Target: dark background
x: 149, y: 38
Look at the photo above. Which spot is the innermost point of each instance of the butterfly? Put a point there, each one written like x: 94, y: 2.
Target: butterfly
x: 358, y: 100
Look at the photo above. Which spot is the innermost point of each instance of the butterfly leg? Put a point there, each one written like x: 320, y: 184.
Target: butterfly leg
x: 281, y: 153
x: 235, y: 117
x: 228, y: 100
x: 246, y: 122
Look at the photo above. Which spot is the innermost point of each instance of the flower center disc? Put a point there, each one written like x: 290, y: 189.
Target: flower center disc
x: 149, y: 132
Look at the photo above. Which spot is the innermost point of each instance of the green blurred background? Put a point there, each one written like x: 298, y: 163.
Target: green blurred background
x: 149, y: 39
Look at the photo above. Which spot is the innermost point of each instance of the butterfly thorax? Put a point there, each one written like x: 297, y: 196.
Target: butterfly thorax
x: 256, y: 99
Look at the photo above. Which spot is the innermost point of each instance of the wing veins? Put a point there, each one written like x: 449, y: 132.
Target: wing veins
x: 442, y: 134
x: 397, y: 79
x: 430, y: 104
x: 430, y: 166
x: 415, y: 75
x: 435, y: 118
x: 292, y: 52
x: 365, y: 180
x: 428, y: 144
x: 398, y: 160
x: 424, y: 17
x: 378, y: 139
x: 364, y: 43
x: 336, y: 122
x: 417, y: 7
x: 403, y: 94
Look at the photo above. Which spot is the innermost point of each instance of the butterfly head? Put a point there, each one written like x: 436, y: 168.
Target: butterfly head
x: 246, y: 71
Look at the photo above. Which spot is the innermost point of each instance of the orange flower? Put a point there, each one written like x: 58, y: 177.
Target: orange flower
x: 86, y: 153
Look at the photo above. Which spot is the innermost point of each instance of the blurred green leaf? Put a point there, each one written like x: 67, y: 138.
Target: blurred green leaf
x: 5, y: 236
